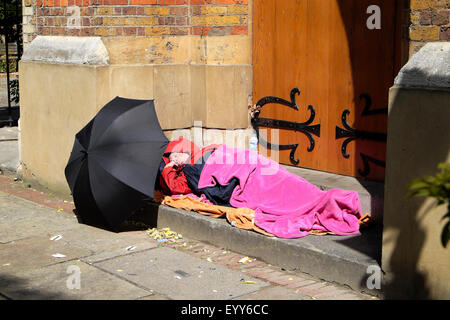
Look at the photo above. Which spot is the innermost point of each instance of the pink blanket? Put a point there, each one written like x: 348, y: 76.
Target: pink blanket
x: 285, y: 204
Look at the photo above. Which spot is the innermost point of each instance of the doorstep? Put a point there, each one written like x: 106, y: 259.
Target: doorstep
x: 341, y: 259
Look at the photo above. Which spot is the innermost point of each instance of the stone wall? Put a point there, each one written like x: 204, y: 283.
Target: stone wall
x: 428, y: 22
x: 413, y: 259
x: 193, y: 58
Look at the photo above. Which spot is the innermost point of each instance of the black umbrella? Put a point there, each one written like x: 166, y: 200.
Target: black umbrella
x: 115, y: 161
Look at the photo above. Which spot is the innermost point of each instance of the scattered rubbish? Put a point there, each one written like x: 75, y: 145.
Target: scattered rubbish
x: 214, y: 291
x: 290, y: 279
x: 209, y: 259
x: 59, y: 210
x: 6, y: 264
x: 182, y: 273
x: 119, y: 270
x: 130, y: 248
x: 178, y: 277
x: 56, y: 238
x: 164, y: 235
x: 58, y: 255
x: 244, y: 260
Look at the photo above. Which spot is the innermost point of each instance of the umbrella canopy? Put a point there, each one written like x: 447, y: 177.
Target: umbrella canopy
x: 115, y: 161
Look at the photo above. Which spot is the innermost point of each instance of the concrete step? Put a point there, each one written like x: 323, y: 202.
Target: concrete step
x: 341, y: 259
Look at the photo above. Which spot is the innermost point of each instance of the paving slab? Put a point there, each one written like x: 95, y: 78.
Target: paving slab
x: 9, y: 160
x: 21, y: 219
x: 9, y: 133
x: 23, y: 255
x: 104, y: 244
x: 180, y: 276
x: 58, y: 282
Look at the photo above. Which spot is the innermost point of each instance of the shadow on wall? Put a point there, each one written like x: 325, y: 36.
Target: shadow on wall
x: 405, y: 138
x: 375, y: 60
x: 418, y: 137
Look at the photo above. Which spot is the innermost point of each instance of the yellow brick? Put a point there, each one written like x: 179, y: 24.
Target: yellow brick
x: 424, y: 33
x: 162, y: 11
x: 213, y: 10
x: 101, y: 31
x: 142, y: 21
x: 105, y: 11
x: 415, y: 18
x: 202, y: 20
x: 237, y: 9
x: 226, y: 20
x: 116, y: 21
x: 427, y: 4
x: 153, y: 31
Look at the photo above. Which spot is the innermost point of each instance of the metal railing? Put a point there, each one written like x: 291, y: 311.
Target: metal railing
x: 10, y: 53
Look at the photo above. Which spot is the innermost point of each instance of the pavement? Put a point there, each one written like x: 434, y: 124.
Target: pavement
x: 46, y: 254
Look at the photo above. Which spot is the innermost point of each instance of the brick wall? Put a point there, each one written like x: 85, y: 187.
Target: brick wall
x: 423, y: 20
x: 137, y: 18
x: 429, y: 21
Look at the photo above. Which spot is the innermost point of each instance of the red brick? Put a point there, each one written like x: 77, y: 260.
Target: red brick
x: 129, y: 10
x: 119, y: 31
x: 313, y: 289
x: 115, y: 2
x: 130, y: 31
x: 172, y: 2
x: 140, y: 31
x: 87, y: 32
x: 200, y: 2
x: 237, y: 30
x: 444, y: 33
x: 133, y: 2
x: 231, y: 2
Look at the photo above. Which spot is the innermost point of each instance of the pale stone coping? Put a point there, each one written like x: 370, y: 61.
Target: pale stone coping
x: 69, y: 50
x: 428, y: 68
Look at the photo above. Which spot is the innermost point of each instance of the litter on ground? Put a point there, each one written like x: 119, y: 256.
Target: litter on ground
x: 164, y: 235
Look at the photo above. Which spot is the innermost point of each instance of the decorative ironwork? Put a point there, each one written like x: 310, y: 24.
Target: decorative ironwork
x: 366, y: 161
x: 367, y: 108
x: 352, y: 134
x: 11, y: 32
x: 304, y: 127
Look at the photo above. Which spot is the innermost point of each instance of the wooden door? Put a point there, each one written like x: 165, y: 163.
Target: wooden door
x: 323, y: 55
